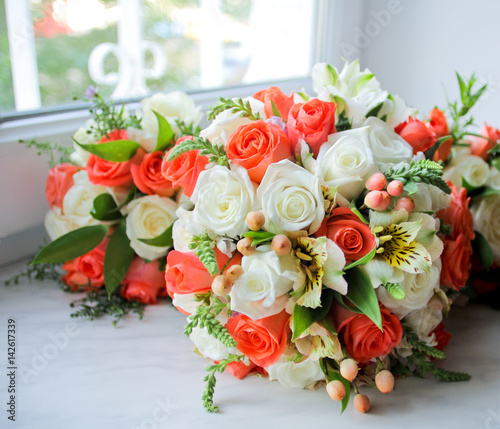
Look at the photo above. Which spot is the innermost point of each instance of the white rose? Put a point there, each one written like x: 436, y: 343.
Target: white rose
x: 299, y: 375
x: 470, y: 167
x: 149, y: 217
x: 262, y: 290
x: 291, y: 198
x: 223, y: 199
x: 209, y: 346
x: 83, y: 135
x: 430, y: 198
x: 346, y: 161
x: 79, y: 200
x: 494, y: 178
x: 396, y: 110
x: 486, y: 213
x: 144, y: 138
x: 227, y: 122
x: 419, y: 289
x: 172, y: 105
x: 387, y: 146
x: 57, y: 224
x: 423, y: 322
x: 183, y: 230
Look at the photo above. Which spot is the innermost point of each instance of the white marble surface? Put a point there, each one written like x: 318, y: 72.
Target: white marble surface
x: 143, y: 374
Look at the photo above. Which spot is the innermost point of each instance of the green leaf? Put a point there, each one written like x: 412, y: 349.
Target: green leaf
x: 364, y: 260
x: 71, y: 245
x: 117, y: 259
x: 165, y: 133
x: 303, y: 317
x: 395, y: 290
x: 340, y: 300
x: 163, y: 240
x: 105, y: 208
x: 487, y: 192
x: 496, y: 163
x: 259, y: 237
x: 115, y: 151
x: 482, y: 248
x: 411, y: 187
x: 362, y: 295
x: 275, y: 110
x: 355, y: 210
x: 345, y: 401
x: 469, y: 188
x: 374, y: 111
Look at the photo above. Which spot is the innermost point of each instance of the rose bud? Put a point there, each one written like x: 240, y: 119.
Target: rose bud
x: 349, y: 369
x: 376, y: 182
x: 361, y: 403
x: 245, y: 247
x: 221, y: 286
x: 281, y: 244
x: 395, y: 188
x: 233, y: 273
x: 384, y: 381
x: 405, y: 203
x: 336, y: 390
x: 255, y: 220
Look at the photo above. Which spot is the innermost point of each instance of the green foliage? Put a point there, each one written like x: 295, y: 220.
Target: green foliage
x: 165, y: 133
x: 97, y: 303
x: 208, y: 394
x: 482, y: 248
x: 163, y: 240
x: 235, y: 106
x: 50, y: 149
x: 215, y: 153
x: 186, y: 129
x: 304, y: 317
x: 39, y: 272
x: 423, y: 171
x: 343, y: 122
x: 331, y: 370
x: 71, y: 245
x: 259, y: 237
x: 419, y: 345
x: 396, y: 291
x: 203, y: 247
x: 205, y: 317
x: 104, y: 208
x: 362, y: 261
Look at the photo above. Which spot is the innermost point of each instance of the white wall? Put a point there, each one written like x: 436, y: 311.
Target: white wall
x: 416, y: 51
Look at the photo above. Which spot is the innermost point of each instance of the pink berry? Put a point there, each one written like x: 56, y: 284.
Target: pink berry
x: 395, y: 188
x: 376, y: 182
x: 378, y: 200
x: 221, y: 286
x: 255, y: 220
x: 245, y: 247
x: 362, y: 403
x: 234, y: 272
x: 281, y: 244
x: 384, y: 381
x: 349, y: 369
x: 336, y: 390
x: 405, y: 203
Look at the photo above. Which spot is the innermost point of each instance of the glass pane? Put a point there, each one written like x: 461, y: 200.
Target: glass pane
x: 130, y: 48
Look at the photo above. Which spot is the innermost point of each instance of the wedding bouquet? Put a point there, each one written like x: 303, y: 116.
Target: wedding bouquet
x: 113, y: 203
x: 311, y: 247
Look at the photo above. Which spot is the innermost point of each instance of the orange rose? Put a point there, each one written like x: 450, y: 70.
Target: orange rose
x: 456, y: 262
x: 363, y: 339
x: 282, y: 102
x: 442, y: 337
x: 416, y: 134
x: 108, y: 173
x: 263, y: 340
x: 91, y: 265
x: 59, y: 180
x: 185, y: 169
x: 480, y: 146
x: 458, y: 215
x: 257, y: 145
x: 351, y: 235
x: 146, y: 174
x: 439, y: 125
x: 313, y: 121
x: 185, y: 273
x: 144, y: 281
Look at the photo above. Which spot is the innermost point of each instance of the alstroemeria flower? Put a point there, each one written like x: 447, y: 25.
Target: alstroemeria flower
x: 322, y: 261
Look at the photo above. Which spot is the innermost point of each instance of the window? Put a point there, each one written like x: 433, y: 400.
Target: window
x: 52, y: 50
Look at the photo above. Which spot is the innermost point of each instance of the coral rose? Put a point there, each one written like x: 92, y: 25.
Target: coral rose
x: 147, y: 176
x: 185, y: 273
x: 109, y: 173
x: 439, y: 125
x: 185, y: 169
x: 416, y: 134
x: 456, y: 262
x: 363, y: 339
x: 480, y: 146
x: 353, y: 237
x: 257, y: 145
x: 313, y: 121
x: 442, y: 337
x: 282, y: 102
x: 59, y: 180
x: 263, y: 340
x: 458, y: 215
x: 144, y: 281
